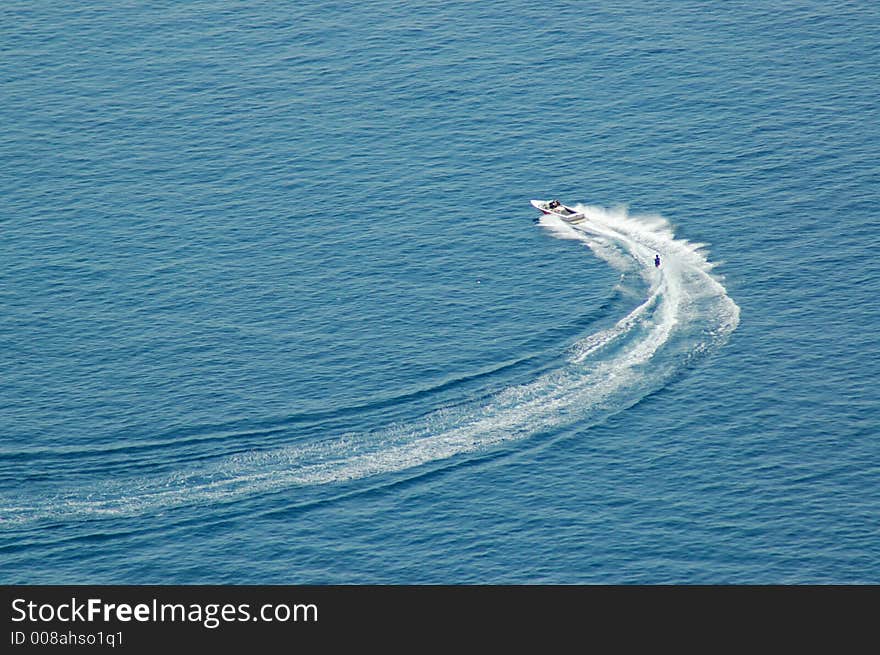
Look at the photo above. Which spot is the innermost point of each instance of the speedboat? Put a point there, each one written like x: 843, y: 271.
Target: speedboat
x: 556, y: 208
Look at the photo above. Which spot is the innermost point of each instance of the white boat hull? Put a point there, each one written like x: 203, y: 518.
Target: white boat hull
x: 561, y: 211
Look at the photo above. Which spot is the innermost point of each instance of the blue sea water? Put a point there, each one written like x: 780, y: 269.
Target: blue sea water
x: 276, y: 308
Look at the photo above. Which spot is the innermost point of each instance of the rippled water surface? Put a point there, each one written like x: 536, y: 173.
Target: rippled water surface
x: 277, y: 308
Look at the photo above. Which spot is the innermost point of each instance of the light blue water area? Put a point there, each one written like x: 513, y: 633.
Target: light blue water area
x: 276, y: 308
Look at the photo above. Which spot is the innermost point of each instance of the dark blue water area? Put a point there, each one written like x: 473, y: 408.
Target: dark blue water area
x: 235, y: 235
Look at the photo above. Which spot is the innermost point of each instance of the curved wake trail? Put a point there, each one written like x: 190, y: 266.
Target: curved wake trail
x: 684, y: 312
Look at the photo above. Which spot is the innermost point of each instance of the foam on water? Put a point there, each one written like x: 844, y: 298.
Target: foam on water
x: 683, y: 311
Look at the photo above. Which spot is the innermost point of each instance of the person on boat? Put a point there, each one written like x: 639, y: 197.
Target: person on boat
x: 554, y: 204
x: 657, y: 261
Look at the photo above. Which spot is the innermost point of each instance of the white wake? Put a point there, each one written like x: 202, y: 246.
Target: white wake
x: 684, y: 311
